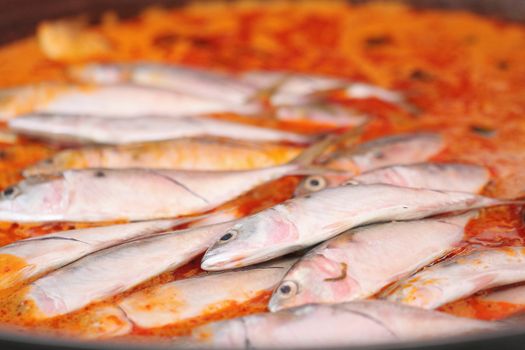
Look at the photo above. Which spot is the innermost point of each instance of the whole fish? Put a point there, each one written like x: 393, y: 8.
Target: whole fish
x: 287, y: 88
x: 189, y: 154
x: 114, y: 270
x: 28, y: 258
x: 207, y: 84
x: 359, y: 263
x: 109, y: 130
x: 138, y: 194
x: 461, y: 276
x: 390, y: 150
x: 117, y: 101
x: 339, y: 325
x: 307, y: 220
x: 446, y: 177
x: 184, y: 299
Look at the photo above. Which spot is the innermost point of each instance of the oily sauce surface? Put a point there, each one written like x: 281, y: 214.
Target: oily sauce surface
x: 466, y: 75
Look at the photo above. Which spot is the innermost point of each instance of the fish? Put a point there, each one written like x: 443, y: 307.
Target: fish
x: 116, y: 131
x: 337, y: 325
x: 184, y: 299
x: 188, y: 154
x: 304, y: 221
x: 514, y: 295
x: 101, y: 323
x: 326, y: 114
x: 207, y: 84
x: 460, y: 276
x: 359, y: 263
x: 117, y: 101
x: 288, y: 88
x: 29, y: 258
x: 400, y: 149
x: 114, y: 270
x: 91, y: 195
x: 358, y: 90
x: 436, y: 176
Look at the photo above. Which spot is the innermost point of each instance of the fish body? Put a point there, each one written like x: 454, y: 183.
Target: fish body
x: 461, y: 276
x: 211, y: 85
x: 187, y: 298
x: 366, y: 91
x: 325, y: 326
x: 286, y: 88
x: 307, y: 220
x: 188, y: 154
x: 446, y: 177
x: 117, y: 269
x: 110, y: 130
x: 512, y: 295
x: 130, y: 194
x: 391, y: 150
x: 117, y: 101
x: 359, y: 263
x: 35, y: 256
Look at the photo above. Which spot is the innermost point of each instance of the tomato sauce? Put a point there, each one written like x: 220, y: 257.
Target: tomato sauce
x: 464, y: 73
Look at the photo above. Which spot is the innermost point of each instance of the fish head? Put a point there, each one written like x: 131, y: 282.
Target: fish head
x: 33, y: 195
x: 314, y: 183
x: 314, y: 279
x: 254, y: 239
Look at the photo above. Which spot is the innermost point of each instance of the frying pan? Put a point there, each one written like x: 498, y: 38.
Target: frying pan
x: 18, y: 19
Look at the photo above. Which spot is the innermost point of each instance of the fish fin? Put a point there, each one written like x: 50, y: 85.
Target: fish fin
x: 265, y: 94
x: 309, y: 155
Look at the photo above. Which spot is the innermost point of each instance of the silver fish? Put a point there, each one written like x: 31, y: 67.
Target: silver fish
x: 184, y: 299
x: 446, y: 177
x: 188, y: 154
x: 304, y: 221
x: 386, y: 151
x: 211, y: 85
x: 117, y: 269
x: 112, y: 100
x: 109, y: 130
x: 339, y: 325
x: 461, y: 276
x: 137, y: 194
x: 512, y: 295
x: 286, y: 88
x: 35, y: 256
x: 359, y: 263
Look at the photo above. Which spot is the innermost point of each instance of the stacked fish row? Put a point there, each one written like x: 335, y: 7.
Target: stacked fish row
x: 368, y: 206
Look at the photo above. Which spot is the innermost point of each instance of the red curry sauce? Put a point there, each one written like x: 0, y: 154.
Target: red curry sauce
x: 465, y: 73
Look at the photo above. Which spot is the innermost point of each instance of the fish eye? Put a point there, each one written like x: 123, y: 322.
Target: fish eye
x: 10, y: 192
x: 287, y: 289
x: 228, y: 236
x: 351, y: 183
x: 314, y: 183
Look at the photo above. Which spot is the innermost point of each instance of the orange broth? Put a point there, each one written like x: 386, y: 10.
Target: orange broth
x: 464, y: 72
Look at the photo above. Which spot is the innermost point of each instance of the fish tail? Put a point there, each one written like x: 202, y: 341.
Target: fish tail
x: 308, y: 156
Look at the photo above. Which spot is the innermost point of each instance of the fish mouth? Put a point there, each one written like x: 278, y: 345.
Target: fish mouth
x: 217, y: 262
x: 225, y: 261
x: 274, y: 305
